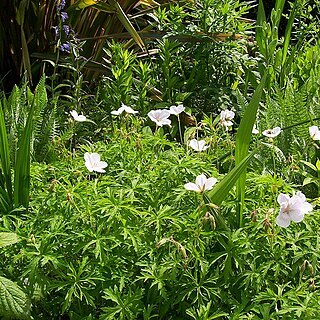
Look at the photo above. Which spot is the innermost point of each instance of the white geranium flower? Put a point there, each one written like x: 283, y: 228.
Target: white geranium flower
x: 255, y: 130
x: 176, y: 110
x: 122, y: 109
x: 314, y: 133
x: 272, y: 133
x: 198, y: 145
x: 225, y: 118
x: 78, y: 117
x: 293, y: 208
x: 93, y: 163
x: 160, y: 117
x: 202, y: 184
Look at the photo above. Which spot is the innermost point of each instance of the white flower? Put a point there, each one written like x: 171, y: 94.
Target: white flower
x: 93, y: 163
x: 198, y: 145
x: 272, y: 133
x: 293, y: 208
x: 314, y: 133
x: 202, y: 184
x: 160, y: 117
x: 225, y: 118
x: 255, y: 130
x: 176, y: 110
x: 78, y: 117
x: 123, y: 108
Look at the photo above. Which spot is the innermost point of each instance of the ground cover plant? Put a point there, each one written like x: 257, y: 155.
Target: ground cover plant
x: 182, y: 184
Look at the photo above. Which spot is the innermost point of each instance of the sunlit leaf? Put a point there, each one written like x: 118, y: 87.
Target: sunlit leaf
x: 14, y: 303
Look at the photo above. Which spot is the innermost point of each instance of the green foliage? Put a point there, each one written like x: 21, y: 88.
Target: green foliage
x: 132, y: 242
x: 8, y: 238
x: 20, y: 117
x: 278, y: 55
x: 243, y: 140
x: 130, y: 82
x: 13, y: 301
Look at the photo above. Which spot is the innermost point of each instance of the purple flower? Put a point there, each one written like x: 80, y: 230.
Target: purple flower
x: 66, y: 29
x: 56, y: 31
x: 65, y: 47
x: 61, y: 5
x: 64, y: 16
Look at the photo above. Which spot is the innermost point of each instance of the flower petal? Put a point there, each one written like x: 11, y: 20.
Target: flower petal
x: 87, y: 156
x: 194, y: 144
x: 151, y: 115
x: 314, y: 132
x: 255, y: 130
x: 81, y: 118
x: 74, y: 113
x: 176, y: 110
x: 283, y: 198
x: 296, y: 215
x: 192, y: 187
x: 164, y: 122
x: 306, y: 207
x: 272, y: 133
x: 201, y: 181
x: 276, y: 131
x: 103, y: 164
x: 300, y: 195
x: 210, y: 183
x: 164, y: 113
x: 99, y: 167
x: 283, y: 220
x: 89, y: 166
x: 95, y: 157
x: 130, y: 110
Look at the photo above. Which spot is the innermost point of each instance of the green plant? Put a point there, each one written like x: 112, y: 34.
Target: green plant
x: 15, y: 194
x: 14, y: 303
x: 45, y: 123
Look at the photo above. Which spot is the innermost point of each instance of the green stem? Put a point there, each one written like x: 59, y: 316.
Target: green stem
x: 179, y: 125
x: 273, y: 158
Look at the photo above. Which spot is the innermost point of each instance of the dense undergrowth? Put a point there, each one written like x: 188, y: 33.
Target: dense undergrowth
x: 104, y: 209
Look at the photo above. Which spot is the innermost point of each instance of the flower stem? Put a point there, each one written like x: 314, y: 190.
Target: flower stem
x: 179, y: 125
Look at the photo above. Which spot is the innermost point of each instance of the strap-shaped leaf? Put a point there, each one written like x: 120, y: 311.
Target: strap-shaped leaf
x: 261, y: 19
x: 5, y: 172
x: 287, y: 35
x: 243, y: 140
x: 22, y: 165
x: 14, y: 303
x: 127, y: 24
x: 244, y: 132
x: 222, y: 189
